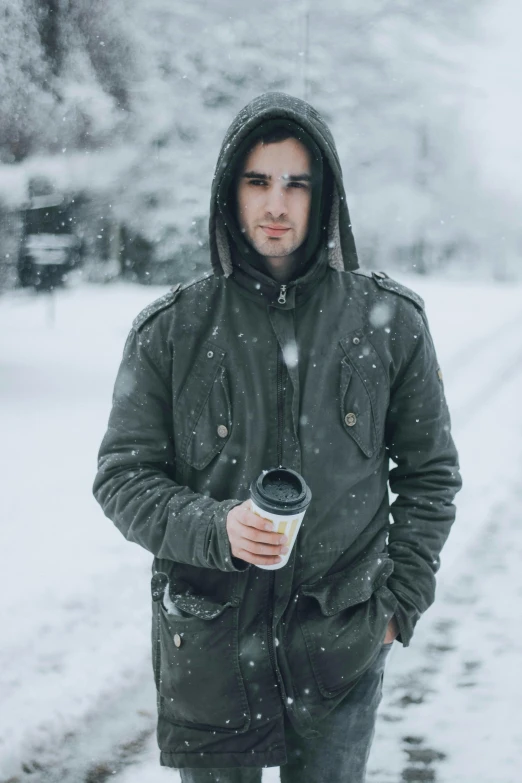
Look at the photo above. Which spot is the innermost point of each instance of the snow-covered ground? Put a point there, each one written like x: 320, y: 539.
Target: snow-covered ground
x: 76, y: 690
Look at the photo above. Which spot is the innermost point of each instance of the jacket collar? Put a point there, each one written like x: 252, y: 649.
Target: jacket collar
x: 260, y: 287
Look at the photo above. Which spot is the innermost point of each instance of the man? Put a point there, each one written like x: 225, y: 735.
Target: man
x: 286, y: 354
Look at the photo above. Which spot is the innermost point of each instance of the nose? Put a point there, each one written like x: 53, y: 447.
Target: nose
x: 276, y: 200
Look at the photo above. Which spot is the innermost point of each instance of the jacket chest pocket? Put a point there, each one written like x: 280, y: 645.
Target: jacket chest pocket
x: 203, y: 411
x: 364, y: 394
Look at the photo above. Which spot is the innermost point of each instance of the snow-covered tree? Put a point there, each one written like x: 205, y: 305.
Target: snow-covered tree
x: 65, y: 68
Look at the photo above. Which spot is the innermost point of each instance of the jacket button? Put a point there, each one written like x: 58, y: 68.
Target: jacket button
x: 222, y: 431
x: 177, y: 640
x: 356, y: 341
x: 350, y: 419
x: 210, y: 354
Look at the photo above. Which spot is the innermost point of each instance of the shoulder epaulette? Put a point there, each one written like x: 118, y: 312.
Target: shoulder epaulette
x: 200, y: 279
x: 383, y: 281
x: 155, y: 307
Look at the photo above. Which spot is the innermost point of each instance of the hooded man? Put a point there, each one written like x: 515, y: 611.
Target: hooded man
x: 285, y: 354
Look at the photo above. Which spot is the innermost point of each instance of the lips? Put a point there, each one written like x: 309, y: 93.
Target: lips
x: 274, y: 231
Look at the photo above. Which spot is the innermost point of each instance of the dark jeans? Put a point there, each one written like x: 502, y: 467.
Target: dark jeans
x: 339, y: 755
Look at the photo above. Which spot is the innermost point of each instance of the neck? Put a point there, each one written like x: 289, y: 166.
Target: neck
x: 282, y: 268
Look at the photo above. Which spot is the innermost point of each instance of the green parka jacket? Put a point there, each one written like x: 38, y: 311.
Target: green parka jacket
x: 334, y: 375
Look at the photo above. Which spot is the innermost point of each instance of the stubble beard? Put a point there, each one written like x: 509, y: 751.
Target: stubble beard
x: 272, y: 247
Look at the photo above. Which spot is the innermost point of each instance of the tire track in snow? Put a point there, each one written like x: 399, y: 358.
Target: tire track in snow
x: 108, y: 739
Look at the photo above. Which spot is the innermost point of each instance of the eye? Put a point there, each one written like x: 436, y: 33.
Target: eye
x: 302, y: 185
x: 256, y: 182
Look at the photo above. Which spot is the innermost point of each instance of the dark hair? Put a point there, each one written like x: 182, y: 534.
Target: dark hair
x: 274, y: 136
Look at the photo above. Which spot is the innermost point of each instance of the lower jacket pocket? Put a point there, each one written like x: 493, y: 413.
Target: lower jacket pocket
x: 343, y: 619
x: 196, y: 664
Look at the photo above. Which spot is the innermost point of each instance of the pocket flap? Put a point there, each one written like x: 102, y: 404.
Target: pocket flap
x: 198, y: 606
x: 188, y: 602
x: 203, y: 411
x: 356, y: 410
x: 367, y: 365
x: 352, y: 585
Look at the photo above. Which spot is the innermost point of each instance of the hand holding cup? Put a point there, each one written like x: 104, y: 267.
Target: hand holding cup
x: 252, y: 538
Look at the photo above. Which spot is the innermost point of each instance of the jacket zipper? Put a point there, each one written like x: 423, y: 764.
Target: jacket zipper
x: 282, y: 295
x: 280, y: 406
x: 271, y: 652
x: 280, y: 424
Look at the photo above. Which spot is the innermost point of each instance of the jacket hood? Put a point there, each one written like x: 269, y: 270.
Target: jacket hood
x: 342, y: 254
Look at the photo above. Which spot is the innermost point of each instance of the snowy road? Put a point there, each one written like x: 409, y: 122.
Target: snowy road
x: 76, y: 693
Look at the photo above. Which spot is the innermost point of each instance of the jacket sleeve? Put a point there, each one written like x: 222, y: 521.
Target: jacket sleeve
x: 425, y: 479
x: 135, y: 483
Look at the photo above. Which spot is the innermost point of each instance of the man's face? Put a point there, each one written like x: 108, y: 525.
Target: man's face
x: 274, y: 193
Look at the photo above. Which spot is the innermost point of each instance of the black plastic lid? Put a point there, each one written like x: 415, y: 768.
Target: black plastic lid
x: 280, y: 491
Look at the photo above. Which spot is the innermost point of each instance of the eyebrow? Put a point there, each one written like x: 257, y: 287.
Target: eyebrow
x: 289, y: 177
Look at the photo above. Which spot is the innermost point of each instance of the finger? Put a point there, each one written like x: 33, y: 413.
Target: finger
x: 238, y: 529
x: 261, y: 549
x: 247, y: 517
x: 256, y: 559
x: 261, y: 537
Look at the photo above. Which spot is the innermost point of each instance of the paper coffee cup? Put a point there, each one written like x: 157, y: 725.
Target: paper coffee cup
x: 282, y: 496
